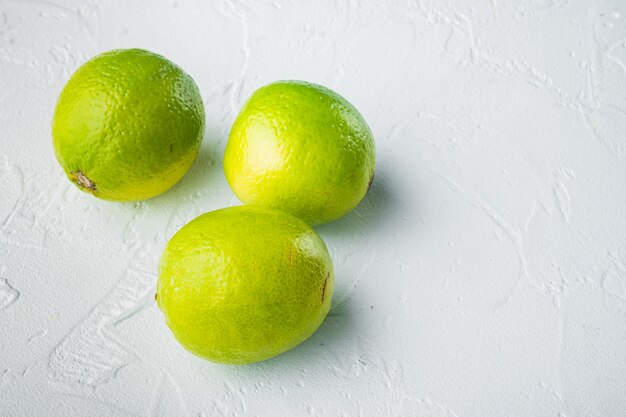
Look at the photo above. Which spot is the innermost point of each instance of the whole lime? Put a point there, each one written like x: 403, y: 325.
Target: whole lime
x: 128, y: 125
x: 244, y: 284
x: 301, y: 148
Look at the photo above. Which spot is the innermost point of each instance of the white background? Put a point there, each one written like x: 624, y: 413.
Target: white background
x: 483, y: 275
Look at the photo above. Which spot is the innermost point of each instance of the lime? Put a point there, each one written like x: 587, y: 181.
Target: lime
x: 301, y: 148
x: 128, y: 125
x: 244, y: 284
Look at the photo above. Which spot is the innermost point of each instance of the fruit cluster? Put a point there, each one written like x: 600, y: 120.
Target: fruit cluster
x: 240, y: 284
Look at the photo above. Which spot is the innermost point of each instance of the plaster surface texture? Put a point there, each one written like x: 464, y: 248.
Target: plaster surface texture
x: 484, y: 275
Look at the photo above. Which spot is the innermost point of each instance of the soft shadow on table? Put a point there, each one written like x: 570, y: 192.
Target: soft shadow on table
x: 329, y: 338
x: 352, y: 240
x: 204, y: 176
x: 374, y: 210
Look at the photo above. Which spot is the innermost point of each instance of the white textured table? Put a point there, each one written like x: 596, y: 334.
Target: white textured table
x: 484, y: 274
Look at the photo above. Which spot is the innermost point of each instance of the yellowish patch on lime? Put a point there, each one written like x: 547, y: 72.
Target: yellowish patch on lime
x: 128, y: 125
x: 244, y: 284
x: 301, y: 148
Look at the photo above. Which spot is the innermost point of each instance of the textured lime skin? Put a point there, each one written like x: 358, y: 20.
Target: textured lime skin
x: 244, y: 284
x: 301, y: 148
x: 128, y: 125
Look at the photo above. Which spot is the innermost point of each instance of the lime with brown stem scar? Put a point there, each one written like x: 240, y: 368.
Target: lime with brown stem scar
x: 128, y: 125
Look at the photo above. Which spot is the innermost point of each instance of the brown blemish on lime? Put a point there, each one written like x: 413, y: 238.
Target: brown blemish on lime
x: 156, y: 297
x: 324, y: 287
x: 369, y: 184
x: 82, y: 180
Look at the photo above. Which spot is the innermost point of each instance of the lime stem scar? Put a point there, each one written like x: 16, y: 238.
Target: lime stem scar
x: 82, y: 180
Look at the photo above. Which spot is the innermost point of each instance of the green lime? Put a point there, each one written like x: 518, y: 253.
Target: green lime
x: 301, y: 148
x: 244, y: 284
x: 128, y: 125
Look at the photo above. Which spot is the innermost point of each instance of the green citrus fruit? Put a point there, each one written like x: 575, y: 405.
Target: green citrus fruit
x: 244, y: 284
x: 128, y: 125
x: 301, y: 148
